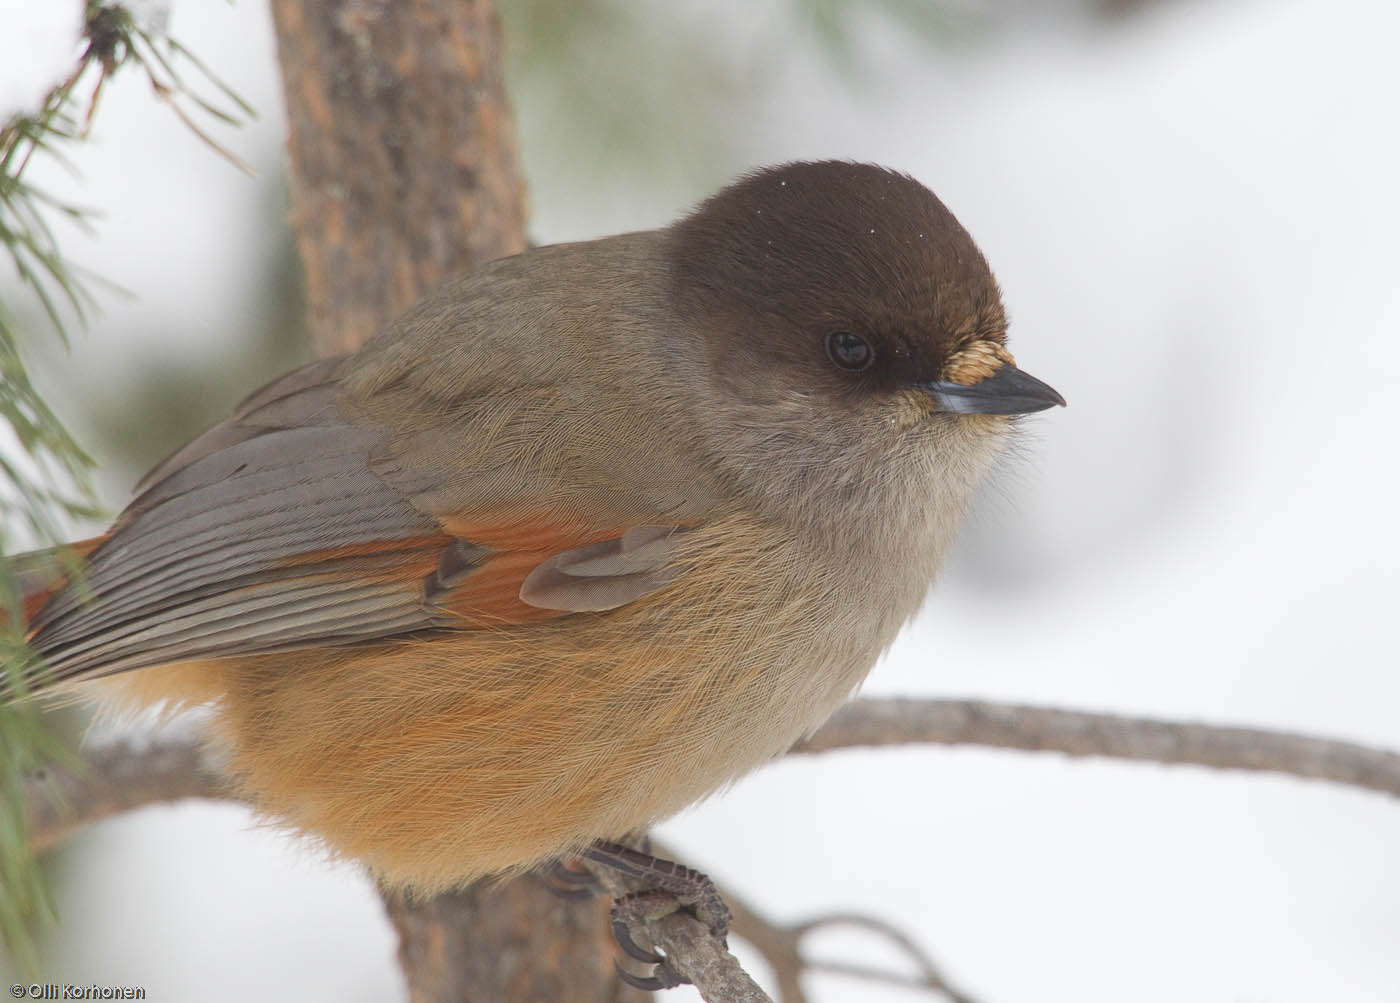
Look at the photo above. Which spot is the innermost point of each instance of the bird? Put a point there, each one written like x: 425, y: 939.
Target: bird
x: 581, y: 538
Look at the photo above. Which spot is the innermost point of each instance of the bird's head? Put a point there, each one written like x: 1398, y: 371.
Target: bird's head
x: 851, y: 340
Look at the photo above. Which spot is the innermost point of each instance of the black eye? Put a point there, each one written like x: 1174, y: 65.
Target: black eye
x: 849, y: 351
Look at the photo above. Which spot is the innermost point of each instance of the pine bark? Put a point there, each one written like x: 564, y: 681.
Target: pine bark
x: 403, y: 171
x: 401, y: 153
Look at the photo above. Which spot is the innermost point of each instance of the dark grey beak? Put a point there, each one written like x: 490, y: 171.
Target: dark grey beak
x: 1010, y: 391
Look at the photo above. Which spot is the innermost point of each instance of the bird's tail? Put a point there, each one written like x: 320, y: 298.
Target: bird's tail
x: 29, y: 581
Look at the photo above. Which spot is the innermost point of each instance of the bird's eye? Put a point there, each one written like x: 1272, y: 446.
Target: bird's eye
x: 849, y: 351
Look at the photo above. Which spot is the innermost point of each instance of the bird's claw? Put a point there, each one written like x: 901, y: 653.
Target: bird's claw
x: 641, y: 907
x: 670, y: 887
x: 622, y: 933
x: 663, y: 977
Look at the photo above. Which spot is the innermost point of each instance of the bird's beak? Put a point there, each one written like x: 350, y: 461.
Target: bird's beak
x: 1008, y: 391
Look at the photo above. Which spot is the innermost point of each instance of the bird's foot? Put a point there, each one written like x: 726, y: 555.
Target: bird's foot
x: 672, y: 887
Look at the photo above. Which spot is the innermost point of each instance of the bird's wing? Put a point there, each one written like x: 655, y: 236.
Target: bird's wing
x: 290, y: 525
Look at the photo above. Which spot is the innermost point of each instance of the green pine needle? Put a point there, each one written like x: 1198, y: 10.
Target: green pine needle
x: 50, y: 484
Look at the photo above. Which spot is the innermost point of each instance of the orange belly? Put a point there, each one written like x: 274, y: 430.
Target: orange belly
x: 439, y: 761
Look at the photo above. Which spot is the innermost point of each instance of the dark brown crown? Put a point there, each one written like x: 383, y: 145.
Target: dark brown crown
x: 790, y: 253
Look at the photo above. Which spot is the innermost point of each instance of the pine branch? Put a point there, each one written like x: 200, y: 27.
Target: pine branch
x: 48, y: 483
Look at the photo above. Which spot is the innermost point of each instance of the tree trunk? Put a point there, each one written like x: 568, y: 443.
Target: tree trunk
x: 402, y: 153
x: 404, y: 171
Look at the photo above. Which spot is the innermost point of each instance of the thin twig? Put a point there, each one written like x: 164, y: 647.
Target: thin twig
x: 692, y: 951
x: 778, y: 944
x: 899, y: 721
x: 929, y: 977
x: 781, y: 947
x: 128, y: 774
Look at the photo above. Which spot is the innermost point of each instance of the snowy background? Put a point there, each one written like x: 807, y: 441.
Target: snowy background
x: 1194, y: 214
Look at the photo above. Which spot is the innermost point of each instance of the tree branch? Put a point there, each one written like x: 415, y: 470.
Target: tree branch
x: 128, y: 774
x: 778, y: 944
x: 120, y: 777
x: 781, y: 946
x: 124, y: 775
x: 715, y: 973
x: 904, y: 721
x: 507, y: 940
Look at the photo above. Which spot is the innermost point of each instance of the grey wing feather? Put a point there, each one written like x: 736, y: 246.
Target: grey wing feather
x: 287, y: 526
x: 283, y: 403
x: 268, y: 532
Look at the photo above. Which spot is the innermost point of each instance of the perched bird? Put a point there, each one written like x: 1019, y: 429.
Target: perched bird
x: 580, y: 538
